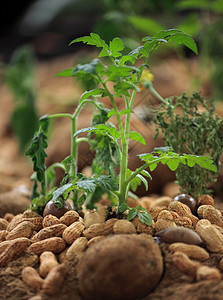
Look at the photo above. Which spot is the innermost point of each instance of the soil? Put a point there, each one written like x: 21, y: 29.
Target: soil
x: 15, y: 170
x: 173, y: 286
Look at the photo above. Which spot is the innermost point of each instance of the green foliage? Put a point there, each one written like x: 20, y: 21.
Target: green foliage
x: 109, y: 142
x: 20, y: 80
x: 189, y: 124
x: 37, y: 152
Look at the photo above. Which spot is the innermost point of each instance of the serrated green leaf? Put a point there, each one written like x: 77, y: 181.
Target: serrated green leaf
x: 106, y: 182
x: 172, y: 164
x: 145, y: 218
x: 115, y: 46
x: 58, y: 193
x: 160, y: 150
x: 87, y: 184
x: 136, y: 136
x: 95, y: 40
x: 131, y: 214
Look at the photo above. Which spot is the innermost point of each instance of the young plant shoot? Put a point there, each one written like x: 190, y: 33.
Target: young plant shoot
x: 111, y: 143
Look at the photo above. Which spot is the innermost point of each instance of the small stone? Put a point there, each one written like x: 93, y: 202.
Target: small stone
x: 179, y: 234
x: 122, y: 267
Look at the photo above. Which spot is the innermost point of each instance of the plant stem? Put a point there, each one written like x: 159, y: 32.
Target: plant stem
x: 60, y: 115
x: 155, y: 93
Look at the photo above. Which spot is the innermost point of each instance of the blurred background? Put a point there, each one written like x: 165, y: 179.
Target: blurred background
x: 34, y: 38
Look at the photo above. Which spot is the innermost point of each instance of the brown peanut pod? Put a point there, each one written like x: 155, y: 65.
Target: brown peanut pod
x: 94, y: 230
x: 31, y: 277
x: 15, y: 248
x: 185, y: 265
x: 3, y: 234
x: 154, y: 212
x: 183, y: 211
x: 77, y: 248
x: 211, y: 236
x: 54, y: 280
x: 109, y: 224
x: 30, y: 214
x: 54, y: 244
x: 4, y: 245
x: 50, y: 220
x: 14, y: 222
x: 36, y: 221
x: 206, y: 200
x: 69, y: 217
x: 143, y: 228
x: 48, y: 232
x: 162, y: 224
x: 123, y: 226
x: 48, y: 261
x: 92, y: 217
x: 72, y: 232
x: 23, y: 229
x: 213, y: 215
x: 207, y: 273
x: 192, y: 251
x: 3, y: 224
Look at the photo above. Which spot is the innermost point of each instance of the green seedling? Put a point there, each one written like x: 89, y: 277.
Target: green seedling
x: 123, y: 73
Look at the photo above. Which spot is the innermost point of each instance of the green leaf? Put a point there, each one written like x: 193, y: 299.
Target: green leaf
x: 145, y: 218
x: 58, y: 193
x: 115, y: 46
x: 147, y: 174
x: 87, y: 184
x: 136, y: 136
x: 131, y: 214
x: 172, y: 164
x: 106, y: 182
x: 65, y: 73
x: 95, y: 92
x: 95, y: 40
x: 143, y: 180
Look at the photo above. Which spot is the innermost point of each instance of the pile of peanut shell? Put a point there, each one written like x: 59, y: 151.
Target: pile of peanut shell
x: 54, y: 241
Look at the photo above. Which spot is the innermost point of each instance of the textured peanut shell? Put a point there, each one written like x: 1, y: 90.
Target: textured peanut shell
x: 192, y: 251
x: 92, y: 217
x: 3, y: 224
x: 211, y: 236
x: 72, y: 232
x: 50, y: 220
x: 78, y: 247
x: 3, y: 234
x: 48, y: 232
x: 15, y: 249
x: 54, y: 244
x: 185, y: 265
x: 23, y: 229
x: 31, y: 277
x: 95, y: 240
x: 183, y: 211
x: 94, y: 230
x: 162, y: 223
x: 48, y: 261
x: 123, y: 226
x: 54, y: 280
x: 69, y: 217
